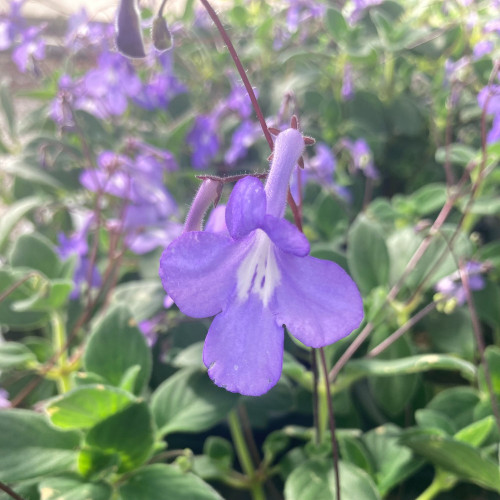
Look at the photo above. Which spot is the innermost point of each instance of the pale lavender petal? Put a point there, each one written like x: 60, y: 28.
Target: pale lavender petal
x: 216, y: 222
x: 246, y: 207
x: 198, y: 270
x: 244, y: 348
x: 286, y: 236
x: 317, y: 300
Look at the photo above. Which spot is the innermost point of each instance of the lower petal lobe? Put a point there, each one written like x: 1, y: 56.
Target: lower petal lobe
x: 317, y: 300
x: 244, y: 348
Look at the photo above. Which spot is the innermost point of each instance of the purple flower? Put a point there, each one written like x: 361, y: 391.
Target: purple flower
x: 30, y: 50
x: 451, y: 288
x: 106, y: 89
x: 347, y: 90
x: 4, y: 399
x: 362, y: 157
x: 257, y: 280
x: 129, y: 30
x: 301, y: 10
x: 76, y: 246
x: 204, y: 141
x: 489, y: 99
x: 482, y: 48
x: 359, y: 9
x: 83, y: 34
x: 149, y: 328
x: 12, y: 25
x: 244, y: 137
x: 239, y: 101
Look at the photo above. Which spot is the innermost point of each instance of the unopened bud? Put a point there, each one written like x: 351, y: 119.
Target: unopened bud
x: 128, y: 30
x: 162, y: 38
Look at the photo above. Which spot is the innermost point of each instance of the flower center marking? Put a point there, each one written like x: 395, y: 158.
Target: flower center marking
x: 259, y: 273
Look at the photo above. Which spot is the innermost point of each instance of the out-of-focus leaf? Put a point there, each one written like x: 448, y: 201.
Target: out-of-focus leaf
x: 461, y: 459
x: 129, y: 434
x: 458, y: 154
x: 14, y: 355
x: 116, y: 345
x: 367, y: 254
x: 74, y: 488
x: 32, y: 448
x: 315, y: 480
x: 85, y: 406
x: 189, y: 402
x: 14, y: 214
x: 160, y: 481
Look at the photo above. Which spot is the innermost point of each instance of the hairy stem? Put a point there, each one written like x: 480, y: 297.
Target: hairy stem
x: 10, y: 491
x: 59, y: 344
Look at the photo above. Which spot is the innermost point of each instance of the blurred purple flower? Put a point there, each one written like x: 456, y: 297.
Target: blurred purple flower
x: 482, y: 48
x: 347, y: 90
x: 360, y: 7
x: 76, y: 246
x: 258, y: 280
x: 239, y: 101
x: 83, y: 34
x: 61, y: 108
x: 243, y: 138
x: 362, y: 157
x: 12, y: 24
x: 149, y: 328
x: 204, y: 141
x: 301, y: 10
x: 4, y: 399
x: 106, y: 89
x: 489, y: 99
x: 451, y: 288
x: 30, y: 49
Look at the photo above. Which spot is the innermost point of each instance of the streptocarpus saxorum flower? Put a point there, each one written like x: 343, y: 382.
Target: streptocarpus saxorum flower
x: 258, y: 280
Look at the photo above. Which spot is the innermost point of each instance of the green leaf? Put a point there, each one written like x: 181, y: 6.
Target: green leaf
x: 14, y: 214
x: 432, y: 419
x: 429, y: 198
x: 116, y: 345
x: 359, y: 368
x: 393, y: 462
x: 315, y: 480
x: 331, y: 217
x: 128, y: 434
x: 31, y: 447
x: 354, y: 451
x: 29, y: 169
x: 457, y: 403
x: 406, y: 116
x: 188, y: 401
x: 52, y: 296
x: 461, y: 459
x: 158, y: 482
x: 8, y: 108
x: 403, y: 244
x: 74, y: 488
x: 15, y: 355
x: 85, y: 406
x: 35, y: 251
x: 459, y: 154
x: 143, y: 298
x: 367, y: 254
x: 492, y: 354
x: 477, y: 432
x: 336, y: 24
x: 393, y: 393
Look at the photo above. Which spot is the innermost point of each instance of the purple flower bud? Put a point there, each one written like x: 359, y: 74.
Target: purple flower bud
x: 128, y: 30
x: 482, y: 48
x: 162, y: 38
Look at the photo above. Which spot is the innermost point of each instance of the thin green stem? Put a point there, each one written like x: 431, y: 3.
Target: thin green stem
x: 244, y: 457
x: 331, y: 420
x: 432, y: 491
x: 59, y: 345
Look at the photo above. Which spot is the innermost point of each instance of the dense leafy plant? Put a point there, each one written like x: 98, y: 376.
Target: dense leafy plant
x: 103, y: 391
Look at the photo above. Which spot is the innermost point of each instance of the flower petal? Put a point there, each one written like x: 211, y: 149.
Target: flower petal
x: 246, y: 207
x: 286, y: 236
x: 198, y: 270
x: 317, y: 300
x: 244, y: 348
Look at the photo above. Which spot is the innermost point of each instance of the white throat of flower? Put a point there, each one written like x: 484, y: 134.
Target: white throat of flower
x: 259, y: 272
